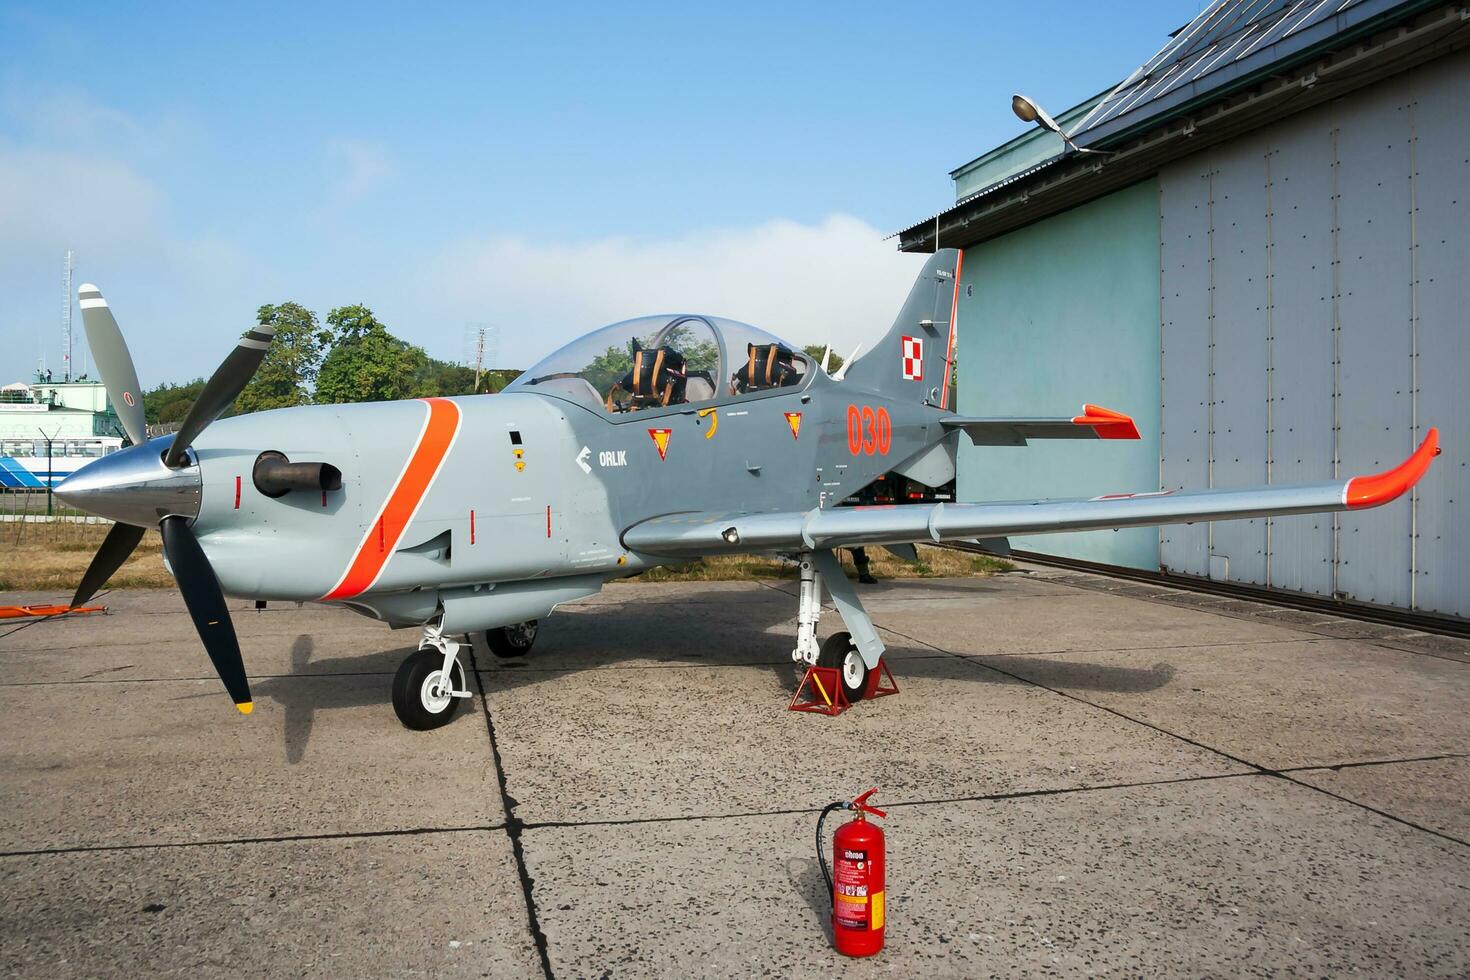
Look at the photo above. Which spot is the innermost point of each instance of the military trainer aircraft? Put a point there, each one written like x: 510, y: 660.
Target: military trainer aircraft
x: 648, y: 442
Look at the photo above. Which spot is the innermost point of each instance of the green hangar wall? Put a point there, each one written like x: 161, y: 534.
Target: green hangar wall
x: 1051, y: 316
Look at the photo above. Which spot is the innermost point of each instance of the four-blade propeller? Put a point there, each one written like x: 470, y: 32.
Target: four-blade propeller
x: 191, y: 569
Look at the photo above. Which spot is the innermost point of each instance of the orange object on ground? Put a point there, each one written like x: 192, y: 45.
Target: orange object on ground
x: 54, y: 609
x: 823, y: 689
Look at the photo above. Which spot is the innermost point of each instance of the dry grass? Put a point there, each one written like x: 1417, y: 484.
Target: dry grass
x: 52, y: 558
x: 933, y: 563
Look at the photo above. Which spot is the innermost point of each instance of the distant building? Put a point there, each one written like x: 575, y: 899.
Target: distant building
x: 74, y: 415
x: 1268, y: 267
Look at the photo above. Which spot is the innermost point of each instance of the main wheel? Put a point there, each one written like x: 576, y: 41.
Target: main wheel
x: 838, y: 651
x: 512, y: 641
x: 419, y: 697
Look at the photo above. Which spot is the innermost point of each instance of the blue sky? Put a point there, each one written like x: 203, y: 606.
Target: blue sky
x: 544, y: 168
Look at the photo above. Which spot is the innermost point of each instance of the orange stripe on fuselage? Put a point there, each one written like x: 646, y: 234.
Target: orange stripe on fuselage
x: 403, y: 502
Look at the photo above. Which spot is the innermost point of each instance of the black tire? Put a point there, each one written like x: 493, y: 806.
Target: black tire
x: 839, y: 652
x: 515, y: 640
x: 413, y: 701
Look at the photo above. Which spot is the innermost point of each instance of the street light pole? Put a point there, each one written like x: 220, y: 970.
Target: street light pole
x: 49, y: 471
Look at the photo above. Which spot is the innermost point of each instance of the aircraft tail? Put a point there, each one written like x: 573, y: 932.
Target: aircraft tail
x: 913, y: 358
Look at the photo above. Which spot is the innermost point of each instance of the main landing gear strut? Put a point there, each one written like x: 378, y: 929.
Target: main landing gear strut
x: 855, y: 653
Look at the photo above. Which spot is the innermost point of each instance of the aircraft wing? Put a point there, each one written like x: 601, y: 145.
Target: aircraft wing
x: 1093, y: 423
x: 698, y: 533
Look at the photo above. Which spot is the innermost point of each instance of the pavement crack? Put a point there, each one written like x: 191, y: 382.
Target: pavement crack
x: 936, y: 801
x: 1281, y: 774
x: 513, y: 826
x: 225, y: 841
x: 1339, y: 766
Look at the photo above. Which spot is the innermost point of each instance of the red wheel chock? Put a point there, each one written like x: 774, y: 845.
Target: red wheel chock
x: 877, y: 688
x: 820, y: 690
x: 822, y: 687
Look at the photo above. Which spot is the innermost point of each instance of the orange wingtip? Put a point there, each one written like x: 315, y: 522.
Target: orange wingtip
x: 1380, y: 488
x: 1107, y: 423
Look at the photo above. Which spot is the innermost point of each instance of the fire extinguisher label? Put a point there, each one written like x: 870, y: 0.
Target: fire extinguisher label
x: 850, y: 889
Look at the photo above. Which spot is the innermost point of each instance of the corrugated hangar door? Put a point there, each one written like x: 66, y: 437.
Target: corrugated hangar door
x: 1314, y: 289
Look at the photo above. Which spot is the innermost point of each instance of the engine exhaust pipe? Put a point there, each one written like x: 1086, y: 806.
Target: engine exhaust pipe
x: 275, y: 476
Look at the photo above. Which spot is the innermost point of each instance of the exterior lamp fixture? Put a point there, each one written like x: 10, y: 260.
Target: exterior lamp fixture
x: 1028, y: 111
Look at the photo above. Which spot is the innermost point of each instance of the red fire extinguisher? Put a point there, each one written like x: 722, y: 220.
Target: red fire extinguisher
x: 856, y: 878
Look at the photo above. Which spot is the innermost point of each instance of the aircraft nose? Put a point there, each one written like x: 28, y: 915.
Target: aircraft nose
x: 132, y: 486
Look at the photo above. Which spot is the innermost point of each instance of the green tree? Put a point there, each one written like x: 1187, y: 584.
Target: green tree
x: 496, y: 380
x: 170, y: 403
x: 286, y: 376
x: 446, y: 378
x: 367, y: 363
x: 814, y: 351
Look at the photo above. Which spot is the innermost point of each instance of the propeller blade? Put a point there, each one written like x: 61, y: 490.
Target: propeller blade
x: 110, y: 353
x: 223, y: 387
x: 206, y: 602
x: 116, y: 548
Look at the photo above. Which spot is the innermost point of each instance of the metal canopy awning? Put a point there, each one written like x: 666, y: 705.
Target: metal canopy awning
x: 1225, y: 74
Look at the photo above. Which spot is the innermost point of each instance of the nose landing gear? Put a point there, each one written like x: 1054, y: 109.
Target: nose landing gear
x: 429, y: 684
x: 856, y: 655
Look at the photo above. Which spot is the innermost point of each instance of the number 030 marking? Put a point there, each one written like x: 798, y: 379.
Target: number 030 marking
x: 869, y: 430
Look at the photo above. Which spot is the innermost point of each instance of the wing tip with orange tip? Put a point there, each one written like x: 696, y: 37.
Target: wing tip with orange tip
x: 1107, y: 423
x: 1380, y: 488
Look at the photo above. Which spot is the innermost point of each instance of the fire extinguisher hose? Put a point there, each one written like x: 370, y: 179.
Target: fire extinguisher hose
x: 822, y: 851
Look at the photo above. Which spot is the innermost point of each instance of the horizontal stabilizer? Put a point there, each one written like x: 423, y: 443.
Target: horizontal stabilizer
x: 1093, y: 423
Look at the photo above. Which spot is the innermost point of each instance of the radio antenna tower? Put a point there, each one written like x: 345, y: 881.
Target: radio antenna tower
x: 66, y: 318
x: 479, y: 358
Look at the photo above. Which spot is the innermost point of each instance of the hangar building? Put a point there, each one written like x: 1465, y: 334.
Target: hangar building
x: 1268, y: 267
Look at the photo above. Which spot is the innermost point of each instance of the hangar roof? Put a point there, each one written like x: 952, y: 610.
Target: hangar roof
x: 1239, y: 65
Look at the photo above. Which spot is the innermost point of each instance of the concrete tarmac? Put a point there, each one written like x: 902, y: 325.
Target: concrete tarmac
x: 1083, y: 776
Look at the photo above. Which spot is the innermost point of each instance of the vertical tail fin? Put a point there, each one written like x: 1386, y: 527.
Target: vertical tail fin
x: 913, y: 358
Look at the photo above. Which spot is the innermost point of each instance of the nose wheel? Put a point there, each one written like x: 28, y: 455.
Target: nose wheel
x: 430, y: 684
x: 840, y: 653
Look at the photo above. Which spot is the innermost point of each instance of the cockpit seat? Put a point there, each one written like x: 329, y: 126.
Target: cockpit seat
x: 766, y: 366
x: 658, y: 378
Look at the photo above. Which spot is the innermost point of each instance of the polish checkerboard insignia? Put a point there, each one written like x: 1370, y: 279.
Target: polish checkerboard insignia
x: 913, y: 359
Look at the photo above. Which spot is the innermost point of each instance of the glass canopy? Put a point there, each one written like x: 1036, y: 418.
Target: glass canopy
x: 656, y: 362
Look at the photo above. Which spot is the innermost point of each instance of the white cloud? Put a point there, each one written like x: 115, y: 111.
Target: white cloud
x: 834, y: 282
x: 79, y: 185
x: 49, y: 199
